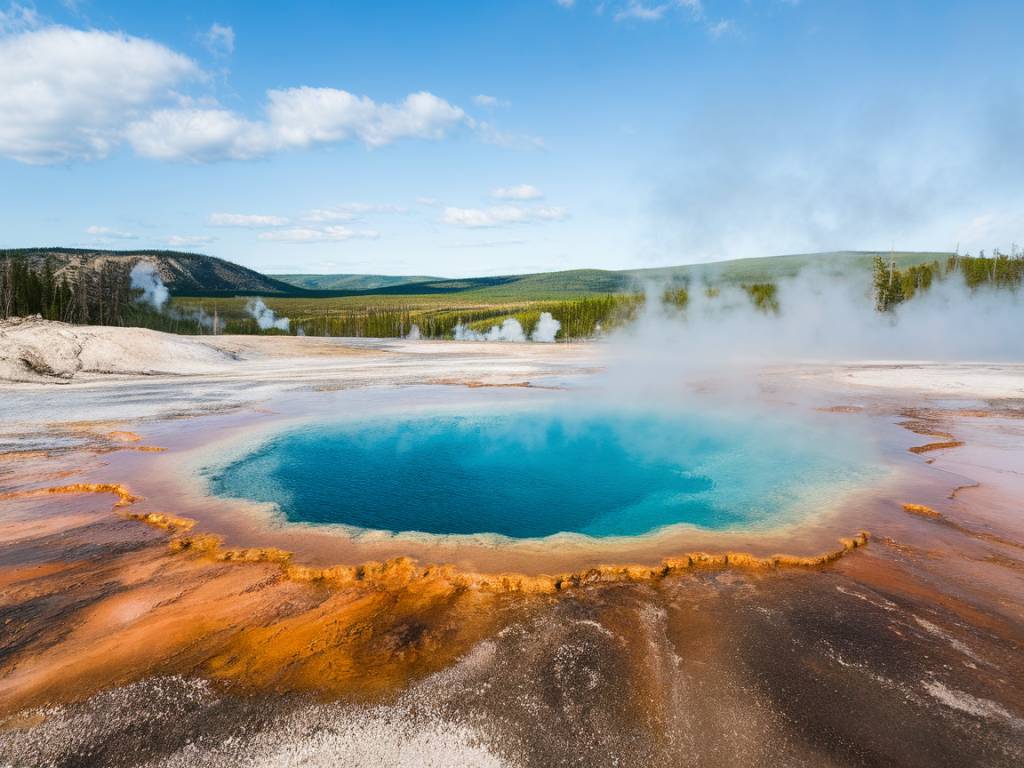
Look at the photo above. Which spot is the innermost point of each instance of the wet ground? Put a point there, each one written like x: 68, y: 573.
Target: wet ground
x: 117, y: 651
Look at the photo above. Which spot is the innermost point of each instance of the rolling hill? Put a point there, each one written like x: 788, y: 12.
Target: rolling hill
x: 551, y: 285
x: 182, y: 273
x: 193, y: 274
x: 351, y: 282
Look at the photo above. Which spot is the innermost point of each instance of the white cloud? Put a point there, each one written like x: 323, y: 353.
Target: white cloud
x: 641, y: 12
x: 719, y: 28
x: 566, y: 3
x: 491, y: 134
x: 552, y: 213
x: 431, y: 201
x: 372, y: 208
x: 65, y: 93
x: 182, y: 241
x: 296, y: 118
x: 328, y: 214
x: 350, y: 211
x: 500, y: 215
x: 246, y: 220
x: 18, y: 18
x: 490, y: 102
x: 198, y: 135
x: 219, y: 39
x: 68, y: 94
x: 106, y: 233
x: 518, y: 192
x: 318, y: 235
x: 635, y: 9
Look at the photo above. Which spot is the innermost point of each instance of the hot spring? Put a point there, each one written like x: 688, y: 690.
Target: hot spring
x: 534, y: 474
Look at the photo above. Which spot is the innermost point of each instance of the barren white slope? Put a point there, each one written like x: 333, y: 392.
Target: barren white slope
x: 37, y: 350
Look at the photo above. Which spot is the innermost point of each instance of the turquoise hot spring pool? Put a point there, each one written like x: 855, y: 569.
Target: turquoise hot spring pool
x: 529, y: 475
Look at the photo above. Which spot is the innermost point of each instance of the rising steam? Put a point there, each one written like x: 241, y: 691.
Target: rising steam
x: 265, y: 317
x: 512, y: 330
x: 546, y: 329
x: 820, y: 319
x: 145, y: 278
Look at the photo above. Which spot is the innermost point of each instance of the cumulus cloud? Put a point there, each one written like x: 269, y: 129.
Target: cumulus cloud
x: 328, y: 214
x: 517, y: 192
x: 720, y: 28
x: 333, y: 234
x: 65, y: 93
x: 69, y: 94
x: 106, y: 233
x: 183, y: 241
x: 296, y: 118
x: 18, y: 18
x: 490, y: 102
x: 491, y: 134
x: 636, y: 10
x: 350, y: 211
x: 501, y: 215
x: 219, y: 39
x: 641, y: 12
x: 246, y: 220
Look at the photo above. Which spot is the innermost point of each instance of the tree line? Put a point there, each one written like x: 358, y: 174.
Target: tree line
x: 99, y: 297
x: 893, y: 286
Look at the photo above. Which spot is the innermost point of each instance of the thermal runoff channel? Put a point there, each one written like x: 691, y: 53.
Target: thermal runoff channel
x: 528, y: 475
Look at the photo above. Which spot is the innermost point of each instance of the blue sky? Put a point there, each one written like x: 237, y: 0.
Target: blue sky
x: 474, y: 138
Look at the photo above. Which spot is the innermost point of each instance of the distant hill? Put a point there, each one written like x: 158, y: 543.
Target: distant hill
x: 182, y: 273
x: 194, y: 274
x: 769, y: 268
x: 351, y: 282
x: 544, y: 285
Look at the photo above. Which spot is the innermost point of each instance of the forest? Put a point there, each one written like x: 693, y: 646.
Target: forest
x: 105, y: 296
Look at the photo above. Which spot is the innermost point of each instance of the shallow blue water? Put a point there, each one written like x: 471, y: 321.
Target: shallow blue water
x: 534, y: 474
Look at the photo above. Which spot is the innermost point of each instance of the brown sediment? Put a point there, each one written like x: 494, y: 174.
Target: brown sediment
x: 842, y: 409
x: 123, y: 436
x: 23, y: 455
x: 166, y: 522
x: 939, y: 446
x: 924, y: 423
x: 922, y: 510
x: 477, y: 384
x: 401, y: 572
x: 124, y: 496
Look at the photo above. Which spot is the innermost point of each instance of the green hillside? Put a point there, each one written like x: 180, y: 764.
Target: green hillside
x: 579, y: 282
x: 349, y: 282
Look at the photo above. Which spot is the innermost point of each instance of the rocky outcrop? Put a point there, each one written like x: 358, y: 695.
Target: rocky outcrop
x: 42, y: 351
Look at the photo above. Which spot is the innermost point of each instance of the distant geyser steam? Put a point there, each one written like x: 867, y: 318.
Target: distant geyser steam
x: 265, y: 317
x: 145, y: 278
x: 512, y: 330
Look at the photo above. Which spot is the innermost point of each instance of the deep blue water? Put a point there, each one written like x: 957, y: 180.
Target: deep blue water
x: 534, y: 474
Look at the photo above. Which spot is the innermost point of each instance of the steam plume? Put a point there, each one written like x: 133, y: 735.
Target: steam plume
x: 265, y: 317
x: 145, y: 278
x: 509, y: 330
x: 546, y: 329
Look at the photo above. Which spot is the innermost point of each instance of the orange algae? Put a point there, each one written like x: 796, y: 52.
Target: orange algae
x: 123, y: 436
x: 922, y: 510
x: 926, y: 448
x: 124, y: 496
x: 401, y: 572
